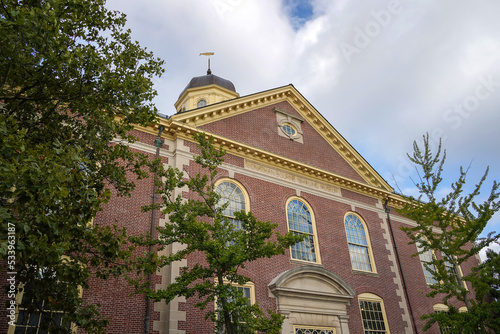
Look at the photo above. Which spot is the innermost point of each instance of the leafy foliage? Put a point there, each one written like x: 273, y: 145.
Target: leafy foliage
x: 71, y: 82
x: 198, y: 224
x: 450, y: 227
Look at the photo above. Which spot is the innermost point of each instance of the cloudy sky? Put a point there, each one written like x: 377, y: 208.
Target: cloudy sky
x: 383, y: 73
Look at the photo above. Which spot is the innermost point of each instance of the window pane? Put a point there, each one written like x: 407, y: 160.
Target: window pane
x: 19, y: 330
x: 299, y: 217
x: 358, y: 244
x: 29, y: 323
x: 23, y: 317
x: 427, y: 266
x: 372, y: 316
x: 300, y: 222
x: 288, y: 129
x: 443, y: 329
x: 246, y: 293
x: 355, y: 231
x: 34, y: 318
x: 58, y: 319
x: 304, y: 250
x: 450, y: 268
x: 360, y: 258
x: 231, y: 194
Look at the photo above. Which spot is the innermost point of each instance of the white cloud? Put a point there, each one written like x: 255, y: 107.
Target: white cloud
x: 415, y: 65
x: 494, y: 247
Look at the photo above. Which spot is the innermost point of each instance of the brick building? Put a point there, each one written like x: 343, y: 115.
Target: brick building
x: 286, y: 163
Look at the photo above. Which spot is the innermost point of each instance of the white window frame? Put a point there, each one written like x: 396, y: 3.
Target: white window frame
x: 368, y: 245
x: 240, y: 187
x: 250, y: 285
x: 429, y: 277
x: 314, y: 234
x: 372, y: 298
x: 438, y: 308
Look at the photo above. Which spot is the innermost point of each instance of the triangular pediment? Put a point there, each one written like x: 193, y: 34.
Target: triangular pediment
x: 303, y: 110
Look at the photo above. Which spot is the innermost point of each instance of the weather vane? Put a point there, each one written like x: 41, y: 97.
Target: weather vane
x: 209, y: 71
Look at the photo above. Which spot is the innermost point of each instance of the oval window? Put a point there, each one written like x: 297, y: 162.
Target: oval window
x: 289, y: 129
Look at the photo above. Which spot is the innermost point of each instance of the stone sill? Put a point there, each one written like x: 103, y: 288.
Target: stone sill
x: 365, y: 273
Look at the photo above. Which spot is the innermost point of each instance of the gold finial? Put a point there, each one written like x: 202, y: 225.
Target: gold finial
x: 209, y: 71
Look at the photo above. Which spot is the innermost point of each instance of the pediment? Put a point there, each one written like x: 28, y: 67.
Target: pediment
x: 305, y: 111
x: 311, y: 289
x: 311, y: 280
x: 305, y: 282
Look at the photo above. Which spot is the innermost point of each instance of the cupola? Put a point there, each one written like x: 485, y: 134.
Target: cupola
x: 205, y: 90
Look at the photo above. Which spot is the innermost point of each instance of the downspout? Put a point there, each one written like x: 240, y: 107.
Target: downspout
x: 158, y: 143
x: 403, y: 281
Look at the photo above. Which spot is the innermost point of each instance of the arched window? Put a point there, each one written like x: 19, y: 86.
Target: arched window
x: 301, y: 221
x: 359, y: 243
x: 426, y: 258
x: 232, y: 193
x: 248, y: 291
x: 441, y: 308
x: 373, y: 314
x: 201, y: 103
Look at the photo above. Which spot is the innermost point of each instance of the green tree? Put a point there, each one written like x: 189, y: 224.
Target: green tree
x: 489, y: 275
x: 450, y: 227
x: 72, y: 85
x: 197, y: 221
x: 485, y: 282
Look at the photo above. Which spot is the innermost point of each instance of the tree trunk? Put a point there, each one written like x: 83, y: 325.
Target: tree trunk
x: 225, y: 314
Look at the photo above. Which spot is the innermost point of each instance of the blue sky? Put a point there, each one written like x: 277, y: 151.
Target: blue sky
x: 383, y: 73
x: 299, y: 11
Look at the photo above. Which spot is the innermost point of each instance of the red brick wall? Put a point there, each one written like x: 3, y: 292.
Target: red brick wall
x: 358, y: 197
x: 126, y: 313
x: 126, y: 310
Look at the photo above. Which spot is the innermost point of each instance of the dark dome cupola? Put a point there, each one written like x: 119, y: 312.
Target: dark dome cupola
x: 204, y: 90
